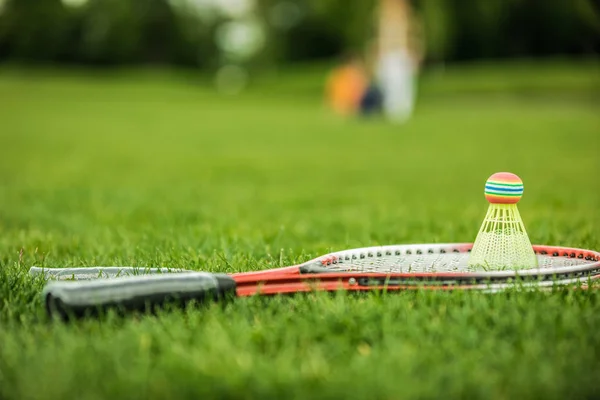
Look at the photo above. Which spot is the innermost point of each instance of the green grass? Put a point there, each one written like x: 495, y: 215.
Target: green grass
x: 156, y: 170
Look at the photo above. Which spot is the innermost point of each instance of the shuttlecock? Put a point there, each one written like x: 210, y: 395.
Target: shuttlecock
x: 502, y: 241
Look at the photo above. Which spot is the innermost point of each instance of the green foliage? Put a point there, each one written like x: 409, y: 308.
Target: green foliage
x: 438, y: 29
x: 355, y: 20
x: 111, y: 31
x: 174, y: 32
x: 152, y: 171
x: 35, y: 30
x: 495, y: 29
x: 104, y: 32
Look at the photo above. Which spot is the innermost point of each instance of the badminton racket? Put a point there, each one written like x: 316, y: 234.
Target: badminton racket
x: 389, y: 268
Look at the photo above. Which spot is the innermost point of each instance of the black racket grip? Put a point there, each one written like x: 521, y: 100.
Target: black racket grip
x: 68, y: 299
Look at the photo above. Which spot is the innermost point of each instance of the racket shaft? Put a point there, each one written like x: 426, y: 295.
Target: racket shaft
x: 256, y: 276
x: 79, y: 298
x: 391, y: 282
x: 330, y: 284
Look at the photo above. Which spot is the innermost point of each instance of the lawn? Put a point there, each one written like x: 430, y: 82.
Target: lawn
x: 154, y: 169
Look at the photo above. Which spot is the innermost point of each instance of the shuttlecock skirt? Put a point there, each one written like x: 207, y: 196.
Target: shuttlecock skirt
x: 502, y: 242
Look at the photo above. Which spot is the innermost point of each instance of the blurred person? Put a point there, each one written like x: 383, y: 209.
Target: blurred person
x: 370, y: 102
x: 398, y: 59
x: 346, y: 86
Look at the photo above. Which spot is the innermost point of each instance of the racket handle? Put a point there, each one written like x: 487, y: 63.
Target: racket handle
x: 136, y: 293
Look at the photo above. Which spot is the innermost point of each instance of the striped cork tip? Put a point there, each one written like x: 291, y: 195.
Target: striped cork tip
x: 504, y: 188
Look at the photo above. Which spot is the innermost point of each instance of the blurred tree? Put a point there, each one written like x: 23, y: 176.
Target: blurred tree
x: 589, y: 15
x: 110, y: 33
x: 295, y: 32
x: 34, y: 30
x: 194, y: 45
x: 158, y: 30
x: 185, y: 32
x: 312, y: 40
x: 439, y: 29
x: 172, y: 35
x: 354, y: 19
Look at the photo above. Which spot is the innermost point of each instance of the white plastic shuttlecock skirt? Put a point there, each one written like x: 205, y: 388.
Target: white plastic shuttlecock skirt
x: 502, y: 242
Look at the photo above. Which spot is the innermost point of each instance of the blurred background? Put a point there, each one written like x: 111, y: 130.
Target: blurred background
x: 221, y: 118
x: 209, y: 34
x: 375, y: 48
x: 237, y: 40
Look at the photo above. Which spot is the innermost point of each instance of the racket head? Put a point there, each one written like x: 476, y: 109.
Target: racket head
x: 425, y: 266
x: 447, y: 259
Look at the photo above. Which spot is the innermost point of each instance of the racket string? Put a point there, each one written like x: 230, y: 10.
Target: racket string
x: 428, y: 261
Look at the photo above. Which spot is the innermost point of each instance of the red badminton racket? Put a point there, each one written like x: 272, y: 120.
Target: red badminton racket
x: 389, y: 268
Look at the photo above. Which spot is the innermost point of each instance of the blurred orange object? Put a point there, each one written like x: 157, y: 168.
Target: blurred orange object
x: 345, y: 87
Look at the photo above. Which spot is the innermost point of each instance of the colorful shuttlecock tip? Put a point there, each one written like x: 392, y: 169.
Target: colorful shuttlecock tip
x: 503, y: 188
